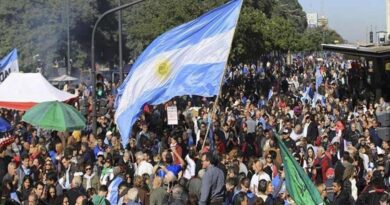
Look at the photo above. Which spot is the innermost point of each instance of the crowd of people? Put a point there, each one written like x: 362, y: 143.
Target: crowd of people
x: 328, y: 126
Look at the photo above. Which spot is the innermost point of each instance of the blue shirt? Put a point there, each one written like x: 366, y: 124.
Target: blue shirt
x: 174, y: 168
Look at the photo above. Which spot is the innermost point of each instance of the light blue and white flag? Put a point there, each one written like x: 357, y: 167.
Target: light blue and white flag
x: 187, y: 60
x: 270, y: 94
x: 306, y: 96
x: 317, y: 97
x: 9, y: 64
x: 319, y: 78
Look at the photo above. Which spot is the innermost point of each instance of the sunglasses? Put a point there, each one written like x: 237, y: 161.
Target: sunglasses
x: 88, y: 168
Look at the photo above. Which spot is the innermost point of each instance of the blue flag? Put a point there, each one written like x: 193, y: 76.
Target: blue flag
x: 9, y: 64
x: 187, y: 60
x: 270, y: 94
x: 319, y: 78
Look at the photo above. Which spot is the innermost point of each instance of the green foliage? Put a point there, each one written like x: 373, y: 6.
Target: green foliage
x: 39, y: 27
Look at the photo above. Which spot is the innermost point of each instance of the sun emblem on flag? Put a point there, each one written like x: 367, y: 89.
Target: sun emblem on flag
x: 163, y: 68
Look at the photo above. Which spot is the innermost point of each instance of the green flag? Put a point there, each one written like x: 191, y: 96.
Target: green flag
x: 298, y: 183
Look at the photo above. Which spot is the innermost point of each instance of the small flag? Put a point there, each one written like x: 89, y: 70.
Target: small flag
x: 270, y: 93
x: 319, y: 78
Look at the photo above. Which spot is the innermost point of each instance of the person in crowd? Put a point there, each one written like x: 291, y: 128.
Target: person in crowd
x: 257, y: 166
x: 158, y: 192
x: 213, y: 180
x: 265, y: 190
x: 100, y: 198
x: 132, y: 196
x: 330, y: 127
x: 90, y: 179
x: 76, y: 191
x: 340, y: 195
x: 142, y: 165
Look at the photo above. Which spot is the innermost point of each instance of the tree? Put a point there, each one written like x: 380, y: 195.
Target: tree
x: 38, y: 27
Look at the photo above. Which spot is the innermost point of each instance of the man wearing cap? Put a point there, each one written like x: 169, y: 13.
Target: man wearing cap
x: 290, y: 144
x: 99, y: 164
x: 107, y: 140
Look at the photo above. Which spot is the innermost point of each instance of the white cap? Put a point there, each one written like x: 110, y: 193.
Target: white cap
x: 379, y: 150
x: 79, y: 174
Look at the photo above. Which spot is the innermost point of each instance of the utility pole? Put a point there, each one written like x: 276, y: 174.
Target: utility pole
x: 68, y: 68
x: 120, y: 44
x: 93, y: 68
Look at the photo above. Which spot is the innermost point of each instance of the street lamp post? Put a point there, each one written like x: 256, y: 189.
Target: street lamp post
x: 120, y: 44
x: 68, y: 68
x: 93, y: 68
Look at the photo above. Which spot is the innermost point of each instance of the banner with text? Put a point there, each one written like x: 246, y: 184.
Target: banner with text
x: 9, y: 64
x: 172, y: 115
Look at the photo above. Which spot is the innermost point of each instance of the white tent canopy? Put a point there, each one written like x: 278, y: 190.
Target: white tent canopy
x: 21, y: 91
x: 63, y: 78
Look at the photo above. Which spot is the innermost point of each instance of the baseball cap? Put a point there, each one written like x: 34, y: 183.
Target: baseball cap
x: 286, y: 131
x: 100, y: 154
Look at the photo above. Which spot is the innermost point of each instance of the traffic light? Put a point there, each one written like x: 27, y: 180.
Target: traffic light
x: 100, y: 91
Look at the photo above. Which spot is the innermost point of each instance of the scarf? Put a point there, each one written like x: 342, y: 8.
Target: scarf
x: 88, y: 178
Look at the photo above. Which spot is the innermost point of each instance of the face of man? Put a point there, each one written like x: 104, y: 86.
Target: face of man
x: 229, y: 187
x: 144, y: 128
x: 65, y: 163
x: 205, y: 162
x: 25, y: 162
x: 32, y: 200
x: 88, y: 170
x: 11, y: 169
x: 353, y: 127
x: 336, y: 188
x: 100, y: 142
x: 319, y: 152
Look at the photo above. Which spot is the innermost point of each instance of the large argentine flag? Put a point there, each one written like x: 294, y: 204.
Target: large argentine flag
x: 187, y: 60
x: 9, y: 64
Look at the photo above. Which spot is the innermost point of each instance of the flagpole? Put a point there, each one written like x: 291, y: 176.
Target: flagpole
x: 213, y: 109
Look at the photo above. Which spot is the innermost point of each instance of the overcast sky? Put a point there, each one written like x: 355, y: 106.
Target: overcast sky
x: 350, y: 18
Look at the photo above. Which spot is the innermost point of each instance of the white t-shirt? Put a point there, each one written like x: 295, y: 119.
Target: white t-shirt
x: 144, y: 167
x: 295, y: 137
x: 190, y: 169
x: 255, y: 180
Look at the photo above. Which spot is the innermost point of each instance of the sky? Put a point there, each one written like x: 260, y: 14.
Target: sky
x: 352, y: 19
